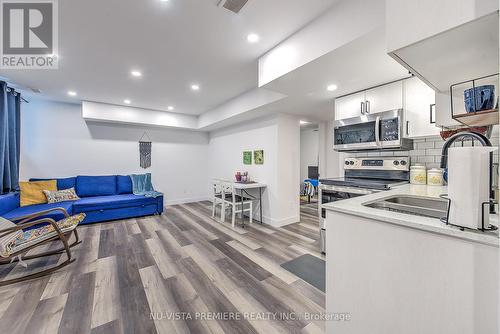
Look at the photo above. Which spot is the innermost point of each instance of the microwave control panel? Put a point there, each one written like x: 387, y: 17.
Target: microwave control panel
x: 382, y: 163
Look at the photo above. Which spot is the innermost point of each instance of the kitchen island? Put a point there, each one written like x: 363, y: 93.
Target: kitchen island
x: 400, y: 273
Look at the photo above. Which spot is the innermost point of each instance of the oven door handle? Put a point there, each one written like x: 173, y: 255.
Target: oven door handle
x: 377, y: 130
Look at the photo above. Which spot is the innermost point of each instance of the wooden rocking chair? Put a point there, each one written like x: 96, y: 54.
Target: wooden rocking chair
x: 15, y: 241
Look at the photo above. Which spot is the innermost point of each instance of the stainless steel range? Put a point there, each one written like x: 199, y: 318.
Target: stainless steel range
x: 362, y: 176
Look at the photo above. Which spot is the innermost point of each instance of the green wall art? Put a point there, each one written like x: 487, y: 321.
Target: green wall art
x: 247, y: 157
x: 258, y: 157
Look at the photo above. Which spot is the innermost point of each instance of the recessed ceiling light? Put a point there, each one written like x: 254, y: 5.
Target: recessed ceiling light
x: 164, y: 0
x: 331, y: 88
x: 195, y: 87
x: 71, y: 93
x: 304, y: 122
x: 136, y: 73
x: 253, y: 38
x: 127, y: 101
x: 170, y: 108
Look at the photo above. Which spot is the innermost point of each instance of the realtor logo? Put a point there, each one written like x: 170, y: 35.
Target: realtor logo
x: 28, y: 34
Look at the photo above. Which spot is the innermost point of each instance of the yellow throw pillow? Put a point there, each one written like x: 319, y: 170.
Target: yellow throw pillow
x: 32, y: 192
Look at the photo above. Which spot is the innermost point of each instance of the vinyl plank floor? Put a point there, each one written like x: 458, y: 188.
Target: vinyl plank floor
x: 131, y: 275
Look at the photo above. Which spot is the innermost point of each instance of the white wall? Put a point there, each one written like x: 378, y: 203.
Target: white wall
x: 279, y: 137
x: 57, y: 142
x: 309, y: 150
x: 288, y: 170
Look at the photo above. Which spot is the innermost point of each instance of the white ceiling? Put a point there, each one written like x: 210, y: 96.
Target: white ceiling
x: 174, y: 44
x: 358, y: 65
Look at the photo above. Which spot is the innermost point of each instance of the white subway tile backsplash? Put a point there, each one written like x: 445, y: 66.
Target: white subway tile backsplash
x: 427, y: 151
x: 425, y: 159
x: 433, y: 151
x: 439, y: 143
x: 415, y: 153
x: 424, y: 145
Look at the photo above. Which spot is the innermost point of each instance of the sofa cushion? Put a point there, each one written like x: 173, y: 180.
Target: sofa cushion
x: 32, y: 192
x: 9, y: 202
x: 30, y: 209
x: 61, y: 195
x: 111, y: 202
x: 124, y: 184
x: 87, y: 186
x: 62, y: 183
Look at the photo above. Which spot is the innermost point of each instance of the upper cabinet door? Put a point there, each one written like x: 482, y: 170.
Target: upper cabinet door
x: 419, y: 98
x: 383, y: 98
x: 349, y: 106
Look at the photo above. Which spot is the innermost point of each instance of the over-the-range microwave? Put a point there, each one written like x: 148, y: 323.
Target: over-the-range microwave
x: 380, y: 131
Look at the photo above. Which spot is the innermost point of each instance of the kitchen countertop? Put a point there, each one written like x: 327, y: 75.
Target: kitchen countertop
x: 354, y: 206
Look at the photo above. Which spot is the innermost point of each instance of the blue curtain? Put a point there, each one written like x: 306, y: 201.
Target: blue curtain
x: 10, y: 133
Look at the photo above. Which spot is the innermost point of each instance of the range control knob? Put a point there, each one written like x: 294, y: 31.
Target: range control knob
x: 347, y: 162
x: 395, y: 162
x: 351, y: 162
x: 403, y: 163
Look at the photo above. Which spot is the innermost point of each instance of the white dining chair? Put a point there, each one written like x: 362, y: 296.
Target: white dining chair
x: 234, y: 201
x: 216, y: 195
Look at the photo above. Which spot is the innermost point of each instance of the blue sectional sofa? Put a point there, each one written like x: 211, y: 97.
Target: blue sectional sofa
x: 102, y: 198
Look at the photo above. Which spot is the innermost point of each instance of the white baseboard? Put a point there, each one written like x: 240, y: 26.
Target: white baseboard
x: 185, y: 200
x: 281, y: 222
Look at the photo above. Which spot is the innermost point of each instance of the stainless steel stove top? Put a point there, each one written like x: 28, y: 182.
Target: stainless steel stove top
x: 380, y: 173
x: 377, y: 184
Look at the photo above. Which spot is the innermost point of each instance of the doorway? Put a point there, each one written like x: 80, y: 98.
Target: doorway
x: 309, y: 161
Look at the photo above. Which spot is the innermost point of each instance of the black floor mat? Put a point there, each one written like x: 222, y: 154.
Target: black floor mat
x: 310, y: 268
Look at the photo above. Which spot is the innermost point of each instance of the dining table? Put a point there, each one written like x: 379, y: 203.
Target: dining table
x: 244, y: 188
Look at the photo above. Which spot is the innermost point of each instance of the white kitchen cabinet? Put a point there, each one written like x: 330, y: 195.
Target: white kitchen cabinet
x: 383, y: 98
x: 349, y: 106
x: 418, y: 101
x: 443, y: 109
x: 444, y: 42
x: 410, y: 21
x: 370, y: 101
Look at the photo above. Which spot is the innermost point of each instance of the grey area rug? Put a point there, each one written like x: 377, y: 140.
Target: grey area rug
x: 310, y: 268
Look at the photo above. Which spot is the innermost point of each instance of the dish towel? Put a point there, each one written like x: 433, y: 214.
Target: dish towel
x: 141, y: 185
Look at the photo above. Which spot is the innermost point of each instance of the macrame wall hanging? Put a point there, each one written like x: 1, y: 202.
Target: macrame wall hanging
x: 145, y: 151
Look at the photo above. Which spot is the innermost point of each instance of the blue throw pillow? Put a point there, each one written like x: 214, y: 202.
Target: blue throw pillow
x: 64, y: 183
x: 87, y: 186
x: 124, y: 184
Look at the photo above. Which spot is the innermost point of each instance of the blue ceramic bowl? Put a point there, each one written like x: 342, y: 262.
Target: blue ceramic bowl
x: 484, y: 96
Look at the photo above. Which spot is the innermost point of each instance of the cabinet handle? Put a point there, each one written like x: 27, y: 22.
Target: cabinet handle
x: 432, y: 113
x: 362, y: 108
x: 407, y: 128
x: 367, y: 107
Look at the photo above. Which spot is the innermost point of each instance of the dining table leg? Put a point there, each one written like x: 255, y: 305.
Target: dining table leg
x: 260, y: 206
x: 242, y: 216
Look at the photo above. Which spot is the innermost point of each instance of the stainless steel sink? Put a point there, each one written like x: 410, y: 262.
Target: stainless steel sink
x: 413, y: 205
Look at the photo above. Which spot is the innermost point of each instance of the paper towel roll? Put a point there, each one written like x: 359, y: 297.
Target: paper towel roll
x: 468, y: 185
